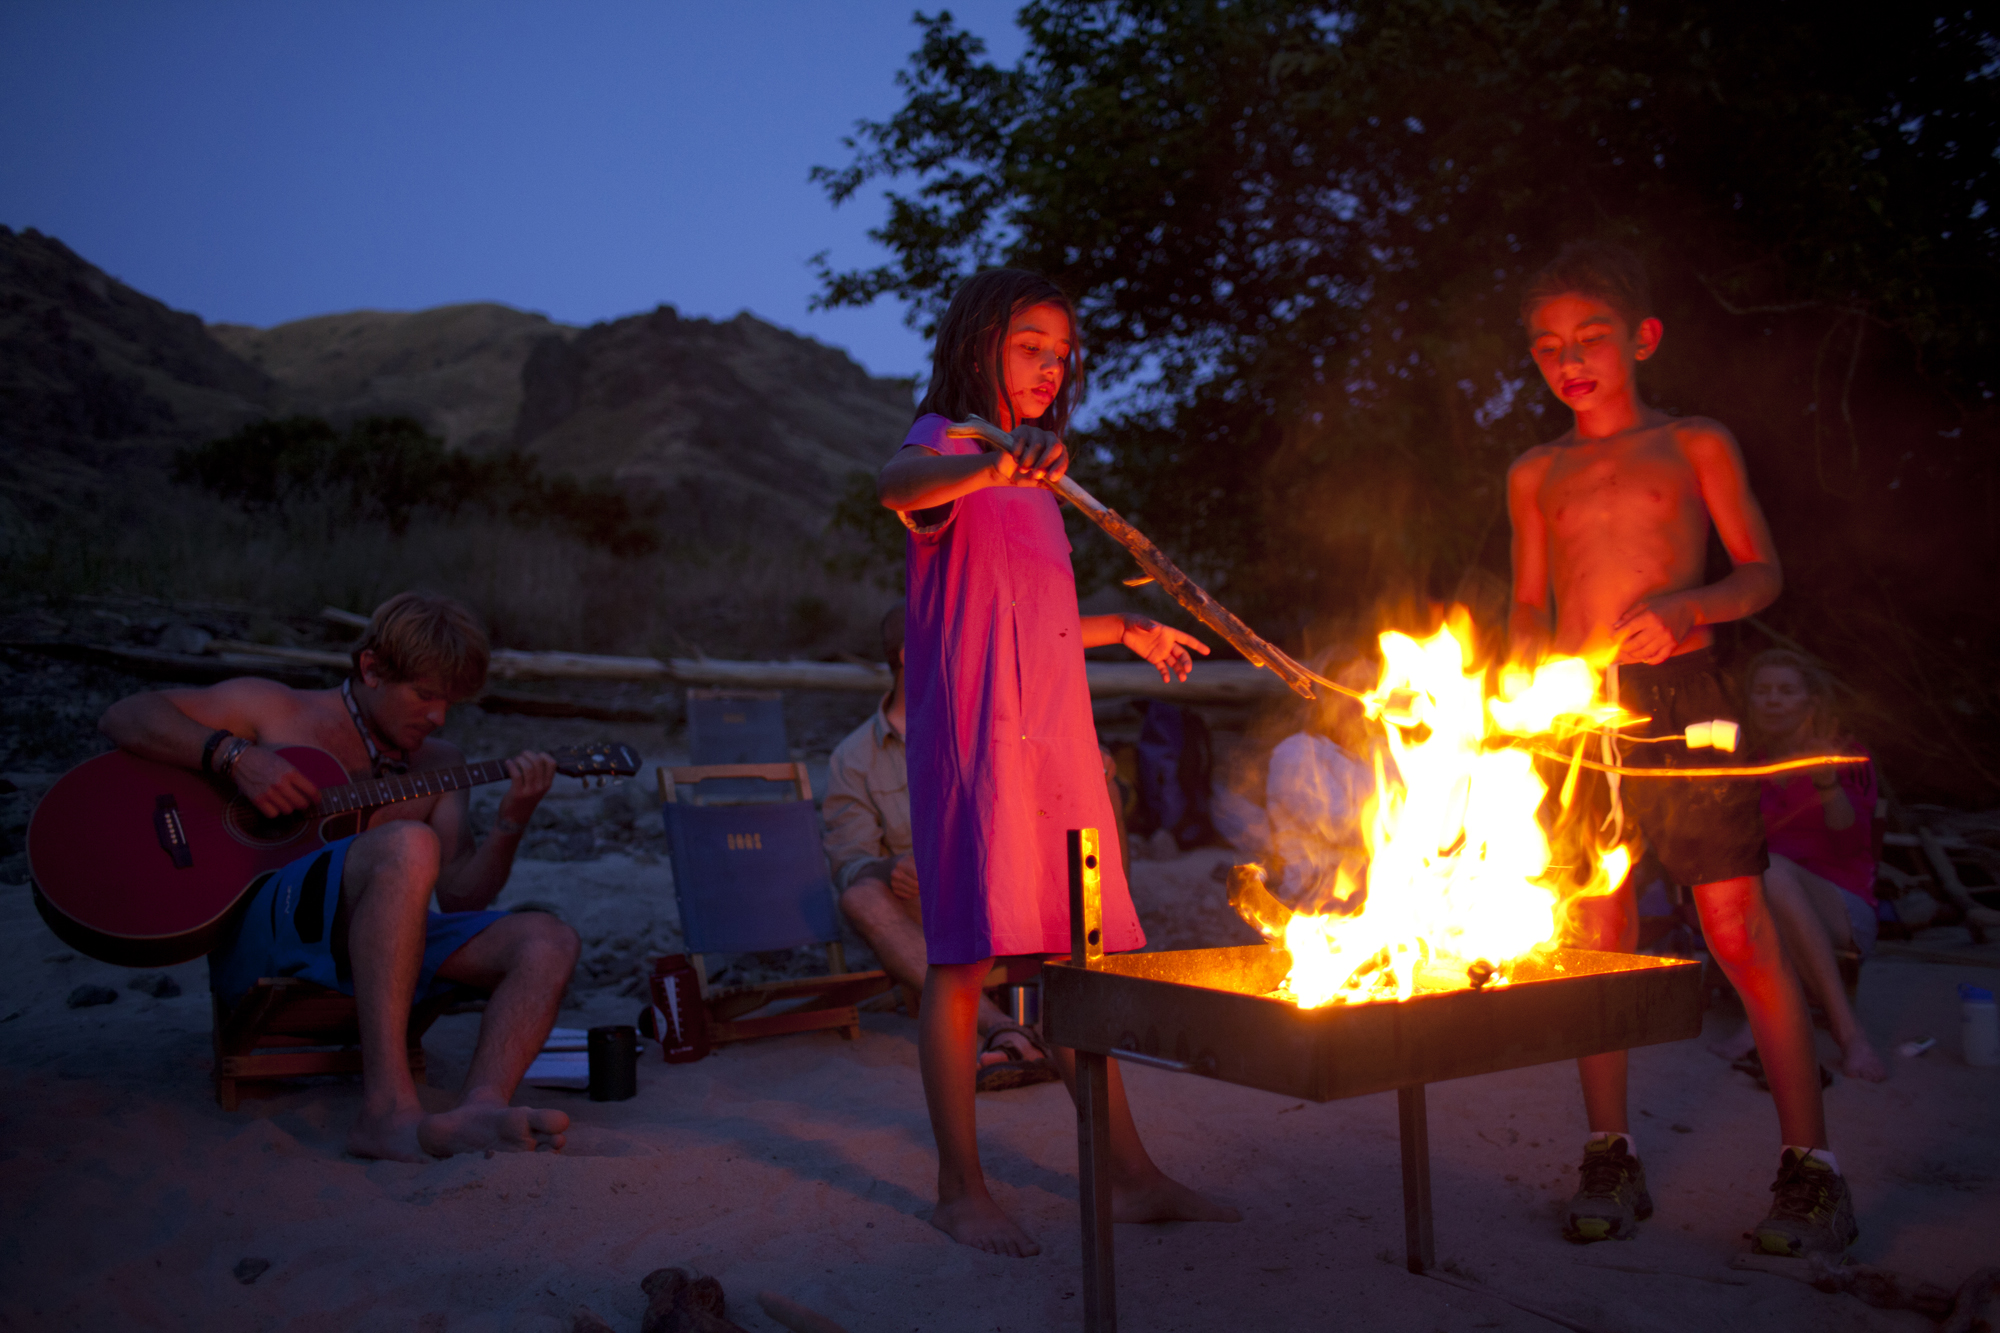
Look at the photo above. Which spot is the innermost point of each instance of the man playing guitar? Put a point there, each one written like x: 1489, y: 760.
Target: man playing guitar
x: 355, y: 914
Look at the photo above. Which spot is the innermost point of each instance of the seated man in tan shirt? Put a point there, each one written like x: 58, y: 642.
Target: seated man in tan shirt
x: 867, y: 813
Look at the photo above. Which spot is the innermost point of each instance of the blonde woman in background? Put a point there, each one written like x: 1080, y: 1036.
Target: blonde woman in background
x: 1819, y: 823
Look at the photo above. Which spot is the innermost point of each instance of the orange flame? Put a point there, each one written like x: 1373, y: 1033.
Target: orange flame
x: 1459, y: 865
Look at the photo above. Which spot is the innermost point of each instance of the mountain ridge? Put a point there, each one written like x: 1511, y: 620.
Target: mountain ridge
x: 728, y: 423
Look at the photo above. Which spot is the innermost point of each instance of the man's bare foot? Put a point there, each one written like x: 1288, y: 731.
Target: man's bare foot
x: 478, y: 1126
x: 1166, y: 1200
x: 977, y: 1221
x: 388, y: 1138
x: 1024, y: 1049
x: 1860, y: 1061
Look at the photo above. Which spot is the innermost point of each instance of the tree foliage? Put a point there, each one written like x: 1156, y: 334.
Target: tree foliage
x: 1297, y: 231
x: 390, y: 470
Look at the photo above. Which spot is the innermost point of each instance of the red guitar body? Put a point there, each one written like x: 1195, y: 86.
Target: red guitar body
x: 140, y: 863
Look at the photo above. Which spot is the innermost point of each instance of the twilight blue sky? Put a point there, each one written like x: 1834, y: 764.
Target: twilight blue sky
x: 262, y: 161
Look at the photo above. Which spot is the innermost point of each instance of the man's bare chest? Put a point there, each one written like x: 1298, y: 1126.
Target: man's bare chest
x: 332, y: 730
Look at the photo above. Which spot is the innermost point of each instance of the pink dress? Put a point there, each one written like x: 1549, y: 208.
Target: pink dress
x: 1002, y: 749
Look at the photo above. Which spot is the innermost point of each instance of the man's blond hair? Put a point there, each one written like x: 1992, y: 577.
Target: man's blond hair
x: 418, y: 636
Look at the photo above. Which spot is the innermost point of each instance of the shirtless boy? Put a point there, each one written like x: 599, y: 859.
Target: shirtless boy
x: 1610, y: 526
x: 374, y: 935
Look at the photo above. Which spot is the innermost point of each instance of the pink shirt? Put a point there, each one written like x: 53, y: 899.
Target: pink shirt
x: 1795, y: 827
x: 1003, y: 757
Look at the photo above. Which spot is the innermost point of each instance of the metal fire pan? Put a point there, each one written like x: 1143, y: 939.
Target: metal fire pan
x: 1206, y: 1011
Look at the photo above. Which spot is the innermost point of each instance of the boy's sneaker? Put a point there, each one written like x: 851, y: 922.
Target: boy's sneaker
x: 1611, y: 1198
x: 1813, y: 1213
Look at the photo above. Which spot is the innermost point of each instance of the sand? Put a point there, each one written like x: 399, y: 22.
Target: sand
x: 804, y: 1164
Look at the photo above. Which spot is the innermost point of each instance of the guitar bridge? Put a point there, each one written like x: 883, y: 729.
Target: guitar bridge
x: 173, y: 837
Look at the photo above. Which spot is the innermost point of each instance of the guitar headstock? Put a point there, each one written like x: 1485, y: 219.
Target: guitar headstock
x: 606, y: 759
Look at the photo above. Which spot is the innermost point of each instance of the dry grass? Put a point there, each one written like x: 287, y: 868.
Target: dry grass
x: 536, y: 589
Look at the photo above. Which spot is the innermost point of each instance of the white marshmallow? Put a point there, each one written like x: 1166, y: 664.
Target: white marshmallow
x: 1700, y: 735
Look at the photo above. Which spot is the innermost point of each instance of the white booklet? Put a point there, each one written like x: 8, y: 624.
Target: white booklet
x: 564, y: 1061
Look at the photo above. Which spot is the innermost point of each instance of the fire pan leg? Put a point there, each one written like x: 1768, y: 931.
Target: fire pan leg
x: 1411, y: 1119
x: 1093, y: 1173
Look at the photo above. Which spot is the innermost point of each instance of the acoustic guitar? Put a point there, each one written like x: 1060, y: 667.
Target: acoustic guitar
x: 140, y: 863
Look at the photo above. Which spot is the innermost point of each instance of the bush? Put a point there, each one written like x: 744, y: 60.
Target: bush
x: 390, y: 469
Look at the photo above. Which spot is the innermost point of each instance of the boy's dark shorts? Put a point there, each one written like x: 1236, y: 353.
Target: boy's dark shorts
x: 1702, y: 830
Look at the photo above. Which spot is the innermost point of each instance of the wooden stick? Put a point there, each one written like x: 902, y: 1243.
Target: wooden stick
x: 1154, y: 561
x: 1977, y: 918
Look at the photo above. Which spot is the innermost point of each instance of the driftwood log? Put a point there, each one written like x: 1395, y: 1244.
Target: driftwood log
x: 1212, y: 682
x: 1163, y: 571
x: 1972, y: 1308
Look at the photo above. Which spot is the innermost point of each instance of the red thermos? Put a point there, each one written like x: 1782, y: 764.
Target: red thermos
x: 679, y: 1016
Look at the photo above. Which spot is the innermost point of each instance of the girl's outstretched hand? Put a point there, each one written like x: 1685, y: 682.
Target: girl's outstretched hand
x: 1038, y: 456
x: 1162, y: 645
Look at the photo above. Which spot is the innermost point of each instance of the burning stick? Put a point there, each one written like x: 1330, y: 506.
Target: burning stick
x: 1162, y: 570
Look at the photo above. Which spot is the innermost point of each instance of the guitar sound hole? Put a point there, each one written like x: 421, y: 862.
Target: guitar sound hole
x: 251, y: 828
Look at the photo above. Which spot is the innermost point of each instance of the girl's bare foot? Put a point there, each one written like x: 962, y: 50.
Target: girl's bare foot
x: 478, y: 1126
x: 1165, y: 1200
x: 1860, y: 1061
x: 390, y: 1137
x: 975, y: 1220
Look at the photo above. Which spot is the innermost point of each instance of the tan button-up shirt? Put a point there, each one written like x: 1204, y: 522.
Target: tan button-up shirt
x: 867, y: 806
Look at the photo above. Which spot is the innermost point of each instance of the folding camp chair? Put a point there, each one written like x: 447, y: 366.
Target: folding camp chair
x: 751, y: 878
x: 738, y: 727
x: 287, y: 1028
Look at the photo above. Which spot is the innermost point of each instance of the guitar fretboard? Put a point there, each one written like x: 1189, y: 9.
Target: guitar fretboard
x: 408, y: 786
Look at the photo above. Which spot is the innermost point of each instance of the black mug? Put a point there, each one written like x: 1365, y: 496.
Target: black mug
x: 614, y: 1063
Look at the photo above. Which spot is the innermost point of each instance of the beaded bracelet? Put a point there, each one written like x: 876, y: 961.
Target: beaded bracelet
x: 215, y: 738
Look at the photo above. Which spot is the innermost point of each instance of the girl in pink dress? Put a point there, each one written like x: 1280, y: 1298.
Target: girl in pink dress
x: 1003, y: 756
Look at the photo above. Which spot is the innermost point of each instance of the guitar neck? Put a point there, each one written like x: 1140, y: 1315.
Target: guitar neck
x: 373, y: 792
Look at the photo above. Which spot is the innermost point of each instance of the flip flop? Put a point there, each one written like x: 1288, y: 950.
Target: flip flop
x: 1014, y: 1070
x: 1753, y: 1065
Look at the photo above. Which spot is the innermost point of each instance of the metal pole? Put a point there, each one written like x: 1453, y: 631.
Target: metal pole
x: 1093, y: 1172
x: 1093, y: 1097
x: 1420, y: 1251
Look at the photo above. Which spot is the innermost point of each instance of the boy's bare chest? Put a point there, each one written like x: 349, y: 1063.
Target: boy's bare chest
x: 1627, y: 486
x: 329, y: 728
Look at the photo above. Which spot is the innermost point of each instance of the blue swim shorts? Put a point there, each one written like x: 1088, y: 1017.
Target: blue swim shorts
x: 286, y: 929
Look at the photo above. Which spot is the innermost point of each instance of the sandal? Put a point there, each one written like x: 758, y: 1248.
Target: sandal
x: 1014, y: 1070
x: 1753, y: 1065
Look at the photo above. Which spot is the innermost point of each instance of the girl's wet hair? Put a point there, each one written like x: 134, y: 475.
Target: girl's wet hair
x: 1602, y: 270
x: 967, y: 375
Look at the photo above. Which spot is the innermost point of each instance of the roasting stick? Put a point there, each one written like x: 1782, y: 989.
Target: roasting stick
x: 1744, y: 771
x: 1154, y: 561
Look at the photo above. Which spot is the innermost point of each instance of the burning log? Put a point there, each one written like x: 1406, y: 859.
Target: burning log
x: 1250, y: 895
x: 1158, y: 568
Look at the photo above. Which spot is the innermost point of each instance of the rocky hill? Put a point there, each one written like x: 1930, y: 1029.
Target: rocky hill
x: 95, y: 376
x: 456, y: 368
x: 739, y: 426
x: 733, y: 423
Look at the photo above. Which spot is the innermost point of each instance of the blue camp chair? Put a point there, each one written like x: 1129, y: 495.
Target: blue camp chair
x: 738, y: 727
x: 750, y: 878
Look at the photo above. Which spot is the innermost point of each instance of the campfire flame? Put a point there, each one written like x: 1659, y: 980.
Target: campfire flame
x: 1458, y: 869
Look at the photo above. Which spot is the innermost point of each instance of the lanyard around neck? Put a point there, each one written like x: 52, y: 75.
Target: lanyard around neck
x: 377, y: 764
